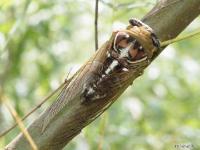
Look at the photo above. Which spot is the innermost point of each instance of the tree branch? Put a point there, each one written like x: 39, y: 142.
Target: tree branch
x: 168, y: 18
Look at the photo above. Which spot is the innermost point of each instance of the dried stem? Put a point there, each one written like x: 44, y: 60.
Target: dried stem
x: 21, y: 125
x: 33, y: 110
x: 39, y: 105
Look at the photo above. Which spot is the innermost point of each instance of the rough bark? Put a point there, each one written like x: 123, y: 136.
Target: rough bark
x: 168, y: 18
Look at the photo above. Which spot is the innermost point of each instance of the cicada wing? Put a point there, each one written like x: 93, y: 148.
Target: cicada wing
x: 65, y: 95
x: 55, y: 107
x: 70, y: 90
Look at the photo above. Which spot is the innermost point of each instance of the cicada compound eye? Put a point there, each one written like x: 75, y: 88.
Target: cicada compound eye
x: 120, y: 41
x: 128, y: 47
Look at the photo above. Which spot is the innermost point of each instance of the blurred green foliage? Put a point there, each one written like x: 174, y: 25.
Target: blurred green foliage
x: 42, y: 40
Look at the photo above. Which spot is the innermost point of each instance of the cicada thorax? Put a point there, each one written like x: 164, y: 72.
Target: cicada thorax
x: 127, y: 48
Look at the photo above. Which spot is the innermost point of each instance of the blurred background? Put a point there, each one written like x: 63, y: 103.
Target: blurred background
x: 42, y: 40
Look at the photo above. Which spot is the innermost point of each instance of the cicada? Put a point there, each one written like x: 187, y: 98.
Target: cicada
x: 106, y: 75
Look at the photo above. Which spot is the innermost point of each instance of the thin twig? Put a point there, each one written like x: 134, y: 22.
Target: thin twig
x: 180, y: 38
x: 33, y: 110
x: 96, y: 23
x: 21, y: 125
